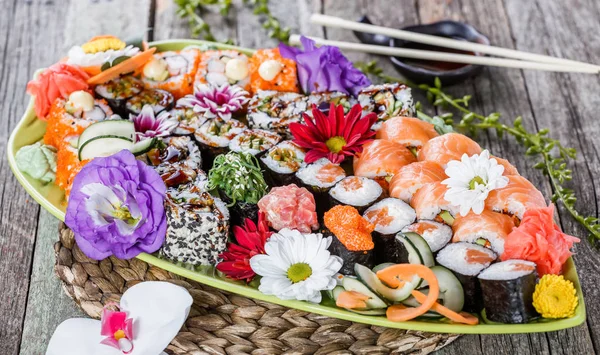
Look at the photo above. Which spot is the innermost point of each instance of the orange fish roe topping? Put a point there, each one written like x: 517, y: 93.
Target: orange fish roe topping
x: 329, y: 173
x: 350, y: 228
x: 352, y: 183
x: 285, y: 80
x: 380, y: 217
x: 477, y: 256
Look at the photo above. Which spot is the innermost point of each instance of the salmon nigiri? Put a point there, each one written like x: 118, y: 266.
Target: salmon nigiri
x: 412, y: 177
x: 450, y: 146
x: 429, y: 202
x: 408, y: 131
x: 490, y: 227
x: 381, y: 158
x: 515, y: 198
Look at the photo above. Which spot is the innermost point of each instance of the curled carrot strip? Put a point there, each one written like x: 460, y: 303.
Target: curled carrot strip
x: 462, y: 317
x: 124, y: 67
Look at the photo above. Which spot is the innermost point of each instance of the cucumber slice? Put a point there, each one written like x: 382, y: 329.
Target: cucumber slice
x: 335, y: 293
x: 115, y: 128
x: 144, y: 146
x: 446, y: 217
x: 370, y: 279
x: 382, y: 266
x: 103, y: 146
x: 352, y: 284
x: 419, y: 251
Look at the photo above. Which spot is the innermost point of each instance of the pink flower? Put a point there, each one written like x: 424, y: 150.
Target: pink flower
x: 148, y: 126
x: 215, y: 102
x: 118, y: 330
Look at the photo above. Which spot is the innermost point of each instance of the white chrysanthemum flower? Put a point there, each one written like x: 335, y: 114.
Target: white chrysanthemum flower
x: 77, y: 56
x: 296, y: 266
x: 471, y: 179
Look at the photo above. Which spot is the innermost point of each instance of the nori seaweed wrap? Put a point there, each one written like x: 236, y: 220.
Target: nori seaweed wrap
x: 117, y: 91
x: 356, y: 191
x: 363, y: 257
x: 281, y: 163
x: 319, y: 177
x: 214, y: 137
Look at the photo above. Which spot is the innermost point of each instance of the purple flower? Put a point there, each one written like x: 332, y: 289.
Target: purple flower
x: 116, y: 208
x: 324, y: 68
x: 148, y: 126
x: 214, y: 101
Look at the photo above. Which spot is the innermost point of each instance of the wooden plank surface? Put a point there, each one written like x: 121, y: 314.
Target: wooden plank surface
x: 567, y: 103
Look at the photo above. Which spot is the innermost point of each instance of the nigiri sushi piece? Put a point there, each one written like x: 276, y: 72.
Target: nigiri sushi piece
x: 515, y: 198
x: 488, y: 229
x: 410, y: 178
x: 382, y: 159
x: 429, y: 203
x: 447, y: 147
x: 408, y: 131
x: 509, y: 169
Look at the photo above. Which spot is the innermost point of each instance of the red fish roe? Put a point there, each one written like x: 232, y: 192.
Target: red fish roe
x: 350, y: 228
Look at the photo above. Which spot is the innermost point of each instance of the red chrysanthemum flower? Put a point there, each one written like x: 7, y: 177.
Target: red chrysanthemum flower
x: 251, y: 240
x: 334, y: 136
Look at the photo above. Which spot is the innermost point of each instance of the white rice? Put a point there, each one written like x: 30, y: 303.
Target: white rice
x: 431, y: 212
x: 308, y: 174
x: 492, y: 236
x: 284, y: 167
x: 437, y: 238
x: 270, y: 139
x: 401, y: 213
x: 204, y: 136
x: 506, y: 270
x: 454, y: 257
x: 364, y: 195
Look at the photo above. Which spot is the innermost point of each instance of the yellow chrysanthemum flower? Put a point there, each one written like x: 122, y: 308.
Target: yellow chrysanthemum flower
x: 102, y: 44
x: 555, y: 297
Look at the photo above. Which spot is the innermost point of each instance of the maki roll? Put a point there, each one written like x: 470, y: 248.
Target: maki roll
x: 488, y: 229
x: 270, y: 71
x: 254, y: 141
x: 272, y: 110
x: 215, y: 135
x: 290, y: 207
x: 240, y: 182
x: 429, y: 203
x: 176, y: 159
x: 507, y: 289
x: 189, y: 120
x: 117, y: 91
x: 197, y: 226
x: 160, y: 100
x: 466, y: 261
x: 355, y: 191
x: 281, y: 163
x: 389, y: 216
x: 172, y: 71
x: 323, y: 100
x: 436, y: 234
x: 387, y: 101
x: 226, y: 67
x: 319, y: 177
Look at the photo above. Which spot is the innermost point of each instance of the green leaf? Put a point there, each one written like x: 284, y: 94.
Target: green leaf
x: 437, y: 83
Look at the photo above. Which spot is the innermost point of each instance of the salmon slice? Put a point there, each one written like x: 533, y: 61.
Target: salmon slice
x: 409, y: 131
x: 509, y: 169
x: 381, y: 158
x: 489, y: 225
x: 329, y: 173
x: 450, y: 146
x: 412, y: 177
x: 429, y: 201
x: 515, y: 198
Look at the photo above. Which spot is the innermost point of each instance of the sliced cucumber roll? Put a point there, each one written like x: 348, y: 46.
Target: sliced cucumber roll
x: 352, y: 284
x: 103, y: 146
x: 115, y: 128
x: 144, y: 146
x: 419, y: 251
x: 370, y: 279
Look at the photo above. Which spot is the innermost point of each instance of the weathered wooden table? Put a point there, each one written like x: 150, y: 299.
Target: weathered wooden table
x: 36, y: 33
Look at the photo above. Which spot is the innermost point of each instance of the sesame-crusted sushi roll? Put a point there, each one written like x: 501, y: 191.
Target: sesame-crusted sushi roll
x: 160, y: 100
x: 323, y: 100
x: 272, y: 110
x: 254, y: 141
x: 319, y: 177
x: 197, y: 226
x: 172, y: 71
x: 270, y: 71
x: 281, y: 163
x: 387, y: 101
x: 358, y: 192
x: 436, y: 234
x: 220, y: 67
x: 117, y: 91
x: 214, y: 137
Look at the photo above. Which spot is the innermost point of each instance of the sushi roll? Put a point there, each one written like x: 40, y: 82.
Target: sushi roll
x: 160, y: 100
x: 447, y: 147
x: 270, y: 71
x: 507, y: 288
x: 319, y: 177
x: 410, y: 178
x: 214, y: 137
x: 466, y: 261
x: 226, y: 67
x: 117, y: 91
x: 389, y: 216
x: 272, y: 110
x: 67, y: 166
x: 381, y: 160
x: 351, y: 237
x: 172, y: 71
x: 488, y: 229
x: 281, y: 163
x: 323, y: 100
x: 387, y: 101
x: 177, y: 160
x: 436, y: 234
x: 411, y: 132
x: 197, y: 226
x: 290, y: 207
x: 516, y: 197
x: 355, y: 191
x: 429, y: 203
x: 189, y: 120
x: 254, y: 141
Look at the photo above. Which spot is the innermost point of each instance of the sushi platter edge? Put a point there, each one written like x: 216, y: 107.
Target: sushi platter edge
x: 30, y: 130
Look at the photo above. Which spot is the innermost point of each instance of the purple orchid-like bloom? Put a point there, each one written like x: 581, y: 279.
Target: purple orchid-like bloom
x: 214, y: 101
x: 116, y: 208
x: 147, y: 125
x: 324, y: 68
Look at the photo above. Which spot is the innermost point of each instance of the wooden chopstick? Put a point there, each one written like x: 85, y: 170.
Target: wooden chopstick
x: 446, y: 57
x: 332, y: 21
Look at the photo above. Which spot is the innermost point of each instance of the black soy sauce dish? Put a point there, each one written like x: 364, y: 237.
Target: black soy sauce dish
x: 425, y: 71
